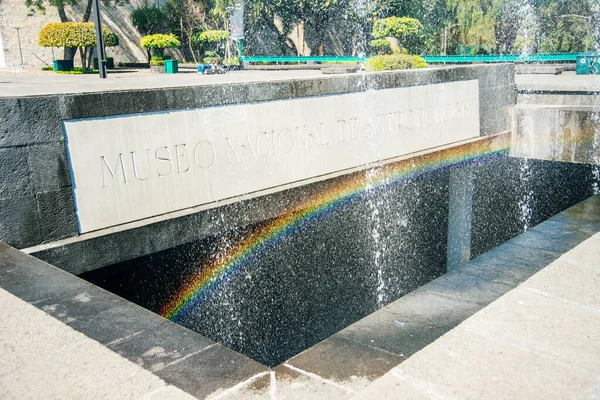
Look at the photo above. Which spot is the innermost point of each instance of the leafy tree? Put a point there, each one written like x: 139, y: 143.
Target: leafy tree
x: 559, y: 32
x: 434, y: 15
x: 148, y: 19
x: 41, y: 6
x: 185, y: 18
x: 212, y: 38
x: 476, y: 20
x: 402, y: 28
x: 158, y: 43
x: 76, y: 35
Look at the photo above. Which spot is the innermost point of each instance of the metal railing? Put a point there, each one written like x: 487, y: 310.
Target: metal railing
x: 454, y: 59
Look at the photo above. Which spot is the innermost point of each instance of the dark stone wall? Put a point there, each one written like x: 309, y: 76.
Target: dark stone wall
x: 36, y: 204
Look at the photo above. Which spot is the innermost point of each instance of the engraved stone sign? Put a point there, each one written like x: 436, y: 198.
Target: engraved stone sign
x: 130, y: 167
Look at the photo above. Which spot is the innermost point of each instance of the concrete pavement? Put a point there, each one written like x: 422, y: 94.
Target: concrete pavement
x: 540, y: 340
x: 42, y: 358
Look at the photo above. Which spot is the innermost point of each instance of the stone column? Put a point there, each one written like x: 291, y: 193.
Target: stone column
x: 460, y: 214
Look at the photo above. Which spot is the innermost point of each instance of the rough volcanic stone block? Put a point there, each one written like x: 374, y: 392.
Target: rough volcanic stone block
x: 49, y: 166
x: 19, y: 221
x: 131, y: 102
x: 57, y: 214
x: 81, y: 106
x: 14, y: 172
x: 495, y: 120
x: 498, y: 97
x: 270, y: 91
x: 29, y: 120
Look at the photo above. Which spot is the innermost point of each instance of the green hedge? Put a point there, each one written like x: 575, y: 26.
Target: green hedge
x: 394, y: 62
x: 74, y: 34
x: 160, y: 41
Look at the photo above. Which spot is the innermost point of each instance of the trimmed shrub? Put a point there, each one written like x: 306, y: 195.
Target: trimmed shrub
x: 394, y: 62
x: 159, y: 42
x: 74, y: 34
x: 213, y: 36
x: 81, y: 35
x: 157, y: 60
x: 381, y: 47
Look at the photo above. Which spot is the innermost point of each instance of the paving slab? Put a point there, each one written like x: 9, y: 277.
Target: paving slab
x: 568, y: 81
x: 411, y: 323
x: 159, y: 347
x: 44, y: 358
x: 540, y: 340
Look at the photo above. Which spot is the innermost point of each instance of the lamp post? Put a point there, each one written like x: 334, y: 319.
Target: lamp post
x: 446, y: 37
x: 100, y: 41
x: 19, y: 40
x: 588, y: 21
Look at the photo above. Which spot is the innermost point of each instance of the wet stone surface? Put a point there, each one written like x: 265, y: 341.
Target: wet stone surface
x: 322, y: 275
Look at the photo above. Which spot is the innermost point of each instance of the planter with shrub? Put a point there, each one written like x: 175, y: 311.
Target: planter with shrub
x: 157, y: 44
x: 157, y: 64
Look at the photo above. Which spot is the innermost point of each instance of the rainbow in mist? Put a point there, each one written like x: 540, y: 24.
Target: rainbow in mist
x: 341, y: 191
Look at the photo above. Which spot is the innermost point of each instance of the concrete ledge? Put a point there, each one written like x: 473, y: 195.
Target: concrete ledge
x: 178, y: 356
x: 32, y: 129
x: 339, y: 70
x: 536, y: 70
x: 540, y: 338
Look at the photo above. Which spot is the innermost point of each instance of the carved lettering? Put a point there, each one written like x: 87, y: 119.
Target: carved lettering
x: 135, y: 166
x: 110, y: 170
x: 204, y: 154
x: 181, y: 155
x: 165, y: 160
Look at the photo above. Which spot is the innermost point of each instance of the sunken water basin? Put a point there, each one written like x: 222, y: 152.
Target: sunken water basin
x: 273, y: 289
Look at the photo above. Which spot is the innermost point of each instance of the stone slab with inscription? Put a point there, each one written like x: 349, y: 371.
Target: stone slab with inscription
x: 130, y: 167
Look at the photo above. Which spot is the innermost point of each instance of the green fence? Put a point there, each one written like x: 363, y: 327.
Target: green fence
x: 291, y: 59
x: 499, y: 58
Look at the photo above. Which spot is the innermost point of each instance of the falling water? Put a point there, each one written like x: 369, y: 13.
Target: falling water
x: 527, y: 29
x: 375, y: 203
x: 596, y: 115
x: 528, y: 195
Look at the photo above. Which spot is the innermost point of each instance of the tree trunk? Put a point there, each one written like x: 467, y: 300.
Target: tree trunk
x: 301, y: 38
x: 90, y: 56
x: 62, y: 14
x: 189, y: 37
x: 82, y: 55
x: 88, y: 11
x: 69, y: 52
x: 321, y: 47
